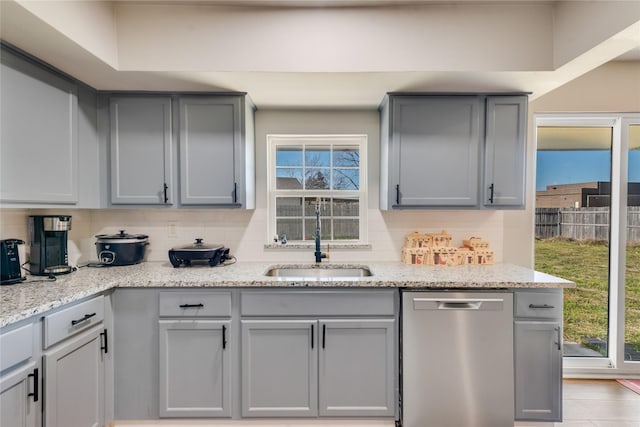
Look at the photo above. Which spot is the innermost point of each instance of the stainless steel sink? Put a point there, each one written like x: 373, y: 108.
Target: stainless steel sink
x: 319, y: 272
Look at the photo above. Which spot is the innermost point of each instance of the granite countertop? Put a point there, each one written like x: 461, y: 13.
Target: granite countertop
x: 27, y: 299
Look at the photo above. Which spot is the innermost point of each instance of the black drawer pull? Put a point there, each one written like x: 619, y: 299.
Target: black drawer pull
x: 86, y: 317
x: 541, y: 306
x: 36, y: 382
x: 192, y: 305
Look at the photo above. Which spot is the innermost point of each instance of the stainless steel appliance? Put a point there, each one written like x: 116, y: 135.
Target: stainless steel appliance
x: 457, y: 359
x: 10, y: 268
x: 48, y: 244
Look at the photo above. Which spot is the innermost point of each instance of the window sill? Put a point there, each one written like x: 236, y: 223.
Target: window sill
x: 311, y: 245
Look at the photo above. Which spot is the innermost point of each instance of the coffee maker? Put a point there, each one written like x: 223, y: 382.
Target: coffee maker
x: 48, y: 244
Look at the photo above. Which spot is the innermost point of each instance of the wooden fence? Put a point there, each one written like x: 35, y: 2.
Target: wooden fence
x: 583, y: 223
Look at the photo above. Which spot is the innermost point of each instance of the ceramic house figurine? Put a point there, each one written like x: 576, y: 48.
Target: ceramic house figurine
x: 442, y: 240
x: 418, y: 256
x: 418, y: 240
x: 466, y: 256
x: 476, y: 243
x: 445, y: 256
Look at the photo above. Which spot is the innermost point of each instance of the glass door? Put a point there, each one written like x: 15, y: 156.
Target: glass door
x: 587, y: 225
x: 573, y: 206
x: 631, y: 139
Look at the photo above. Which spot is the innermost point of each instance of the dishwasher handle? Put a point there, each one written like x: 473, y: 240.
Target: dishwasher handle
x: 474, y: 304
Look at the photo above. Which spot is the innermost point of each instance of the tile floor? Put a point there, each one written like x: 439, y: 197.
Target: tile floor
x: 587, y: 403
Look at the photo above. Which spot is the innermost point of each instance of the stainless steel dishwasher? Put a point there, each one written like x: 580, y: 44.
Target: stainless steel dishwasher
x: 457, y: 359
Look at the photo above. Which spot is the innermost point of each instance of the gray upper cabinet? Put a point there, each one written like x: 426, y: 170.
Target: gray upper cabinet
x: 504, y: 173
x: 435, y: 153
x: 210, y: 151
x: 213, y: 134
x: 39, y: 134
x: 141, y: 150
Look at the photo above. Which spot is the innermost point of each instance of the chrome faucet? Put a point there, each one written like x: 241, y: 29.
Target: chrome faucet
x: 318, y: 253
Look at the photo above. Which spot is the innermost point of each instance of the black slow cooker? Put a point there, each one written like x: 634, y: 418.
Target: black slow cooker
x: 121, y: 248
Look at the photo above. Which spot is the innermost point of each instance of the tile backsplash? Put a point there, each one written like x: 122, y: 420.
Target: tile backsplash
x: 245, y: 232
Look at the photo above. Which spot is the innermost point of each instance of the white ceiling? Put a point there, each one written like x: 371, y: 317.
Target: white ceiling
x: 325, y: 53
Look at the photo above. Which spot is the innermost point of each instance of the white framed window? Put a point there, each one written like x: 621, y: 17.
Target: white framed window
x: 306, y: 169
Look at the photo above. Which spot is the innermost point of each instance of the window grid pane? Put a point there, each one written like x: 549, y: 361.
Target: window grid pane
x: 317, y: 168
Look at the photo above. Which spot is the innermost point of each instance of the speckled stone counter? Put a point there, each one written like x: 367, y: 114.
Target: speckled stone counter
x: 27, y: 299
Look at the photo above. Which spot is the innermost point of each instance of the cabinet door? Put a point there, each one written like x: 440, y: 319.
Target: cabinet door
x: 435, y: 151
x: 141, y: 157
x: 195, y: 378
x: 19, y: 397
x: 74, y: 382
x: 505, y: 151
x: 538, y: 371
x: 210, y: 137
x: 356, y: 374
x: 279, y: 368
x: 39, y: 134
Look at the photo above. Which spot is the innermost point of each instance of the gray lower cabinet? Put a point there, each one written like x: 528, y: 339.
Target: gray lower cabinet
x: 20, y: 397
x: 279, y: 368
x: 195, y: 368
x: 140, y: 138
x: 74, y: 381
x: 538, y: 356
x: 325, y: 367
x: 356, y: 375
x: 331, y: 353
x: 39, y: 133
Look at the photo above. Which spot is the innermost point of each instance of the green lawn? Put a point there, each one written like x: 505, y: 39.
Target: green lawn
x: 585, y: 307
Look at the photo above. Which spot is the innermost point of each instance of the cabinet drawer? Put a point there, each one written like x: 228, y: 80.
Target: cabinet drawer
x: 16, y: 346
x: 539, y: 304
x: 72, y: 320
x: 195, y: 304
x: 317, y: 303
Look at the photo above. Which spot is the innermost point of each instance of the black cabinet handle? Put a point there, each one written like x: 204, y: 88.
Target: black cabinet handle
x: 491, y: 194
x: 541, y: 306
x: 559, y: 338
x: 324, y: 334
x: 86, y: 317
x: 235, y: 192
x: 105, y: 338
x: 224, y: 337
x: 166, y: 197
x: 397, y: 194
x: 36, y: 383
x: 312, y: 336
x: 192, y: 305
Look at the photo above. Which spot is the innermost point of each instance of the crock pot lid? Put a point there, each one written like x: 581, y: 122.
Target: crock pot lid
x: 199, y: 246
x: 122, y: 235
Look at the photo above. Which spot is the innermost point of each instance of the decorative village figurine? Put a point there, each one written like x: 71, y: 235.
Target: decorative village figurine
x: 436, y: 249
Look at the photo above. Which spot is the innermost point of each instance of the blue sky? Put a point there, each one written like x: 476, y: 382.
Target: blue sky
x: 568, y: 167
